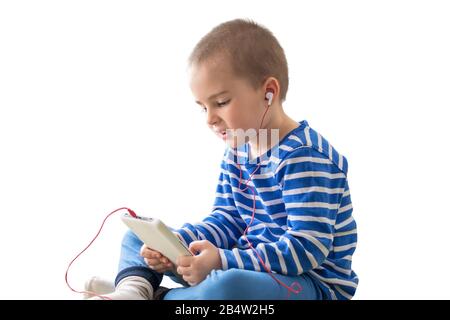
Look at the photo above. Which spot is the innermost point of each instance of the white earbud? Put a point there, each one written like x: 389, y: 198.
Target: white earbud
x: 269, y: 96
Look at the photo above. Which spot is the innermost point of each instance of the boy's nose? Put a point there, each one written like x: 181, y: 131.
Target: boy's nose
x: 211, y: 118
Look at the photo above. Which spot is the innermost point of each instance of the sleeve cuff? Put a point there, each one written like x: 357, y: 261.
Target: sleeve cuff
x: 223, y: 258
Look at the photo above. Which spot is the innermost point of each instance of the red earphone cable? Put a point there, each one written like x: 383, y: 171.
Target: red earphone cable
x: 295, y: 283
x: 133, y: 214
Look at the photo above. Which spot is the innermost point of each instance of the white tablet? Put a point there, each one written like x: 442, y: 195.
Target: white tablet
x: 157, y: 236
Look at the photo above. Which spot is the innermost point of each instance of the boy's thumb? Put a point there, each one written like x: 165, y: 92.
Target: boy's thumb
x: 197, y: 246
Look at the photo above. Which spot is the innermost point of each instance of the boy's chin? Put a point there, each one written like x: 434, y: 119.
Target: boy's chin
x: 233, y: 143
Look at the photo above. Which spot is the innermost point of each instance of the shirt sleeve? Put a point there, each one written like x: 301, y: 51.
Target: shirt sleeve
x: 312, y: 187
x: 223, y: 226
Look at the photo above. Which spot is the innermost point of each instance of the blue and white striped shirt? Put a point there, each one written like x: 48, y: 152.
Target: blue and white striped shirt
x: 303, y: 221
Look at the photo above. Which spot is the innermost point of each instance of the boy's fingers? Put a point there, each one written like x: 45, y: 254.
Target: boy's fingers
x: 159, y: 267
x: 183, y: 271
x: 148, y: 253
x: 184, y: 261
x: 154, y: 254
x: 152, y: 262
x: 163, y: 267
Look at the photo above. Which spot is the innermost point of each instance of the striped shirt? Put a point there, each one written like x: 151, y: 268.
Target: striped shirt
x: 303, y: 221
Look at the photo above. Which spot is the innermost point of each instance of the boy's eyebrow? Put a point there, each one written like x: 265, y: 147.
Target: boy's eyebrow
x: 214, y: 95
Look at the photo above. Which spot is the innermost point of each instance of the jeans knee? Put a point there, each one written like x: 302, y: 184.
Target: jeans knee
x: 129, y: 237
x: 221, y: 285
x: 131, y: 242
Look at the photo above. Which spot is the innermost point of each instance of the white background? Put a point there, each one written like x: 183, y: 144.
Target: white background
x: 96, y: 113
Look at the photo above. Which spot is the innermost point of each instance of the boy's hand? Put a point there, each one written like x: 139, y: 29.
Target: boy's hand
x: 155, y: 260
x: 195, y: 269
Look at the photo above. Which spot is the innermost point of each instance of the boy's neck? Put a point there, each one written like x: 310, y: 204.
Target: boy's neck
x: 280, y: 121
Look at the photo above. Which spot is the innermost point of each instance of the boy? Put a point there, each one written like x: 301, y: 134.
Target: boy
x: 282, y: 213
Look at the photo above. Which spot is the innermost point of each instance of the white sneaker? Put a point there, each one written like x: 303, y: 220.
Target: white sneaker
x: 97, y: 285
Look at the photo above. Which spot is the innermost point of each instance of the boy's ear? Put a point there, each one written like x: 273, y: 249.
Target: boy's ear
x: 271, y: 85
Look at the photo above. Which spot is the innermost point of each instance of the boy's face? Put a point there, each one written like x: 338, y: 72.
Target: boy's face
x: 237, y: 106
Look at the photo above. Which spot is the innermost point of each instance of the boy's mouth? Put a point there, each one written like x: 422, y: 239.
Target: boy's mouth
x: 221, y: 134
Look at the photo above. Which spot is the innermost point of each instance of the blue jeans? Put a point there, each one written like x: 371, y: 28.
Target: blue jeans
x: 232, y: 284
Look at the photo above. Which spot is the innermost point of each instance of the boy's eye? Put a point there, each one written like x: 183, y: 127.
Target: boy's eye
x: 202, y: 108
x: 221, y: 104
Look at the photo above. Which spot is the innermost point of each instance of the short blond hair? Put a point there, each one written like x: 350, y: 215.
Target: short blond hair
x: 252, y: 50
